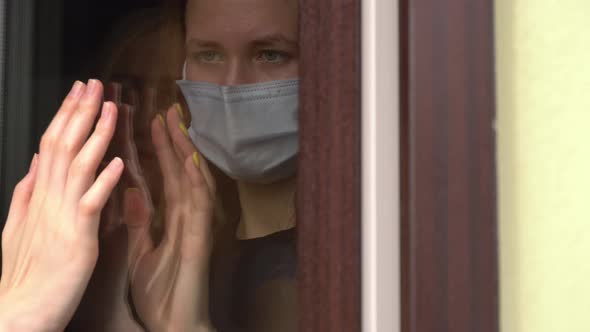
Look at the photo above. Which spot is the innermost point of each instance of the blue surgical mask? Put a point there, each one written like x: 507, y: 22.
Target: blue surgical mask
x: 249, y: 131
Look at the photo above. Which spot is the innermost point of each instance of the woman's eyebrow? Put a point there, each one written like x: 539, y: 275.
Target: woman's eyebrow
x: 203, y: 43
x: 274, y: 39
x: 266, y: 40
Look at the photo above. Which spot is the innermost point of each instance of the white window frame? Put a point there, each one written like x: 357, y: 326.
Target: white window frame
x: 380, y: 167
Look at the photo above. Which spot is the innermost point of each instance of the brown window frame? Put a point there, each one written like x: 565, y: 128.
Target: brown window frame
x: 449, y: 219
x: 449, y: 226
x: 448, y: 189
x: 328, y: 202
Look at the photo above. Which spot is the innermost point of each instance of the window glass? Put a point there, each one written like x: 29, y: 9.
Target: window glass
x: 205, y: 83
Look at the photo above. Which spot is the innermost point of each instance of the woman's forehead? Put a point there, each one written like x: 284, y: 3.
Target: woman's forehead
x: 240, y: 14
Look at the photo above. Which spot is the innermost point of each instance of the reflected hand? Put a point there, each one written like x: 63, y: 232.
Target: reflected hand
x: 49, y: 243
x: 170, y: 280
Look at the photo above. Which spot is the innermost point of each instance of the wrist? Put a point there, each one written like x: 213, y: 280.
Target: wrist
x: 9, y: 323
x: 13, y: 319
x: 8, y: 320
x: 5, y: 325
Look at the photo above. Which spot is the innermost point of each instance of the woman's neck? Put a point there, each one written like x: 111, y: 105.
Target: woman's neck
x: 266, y: 208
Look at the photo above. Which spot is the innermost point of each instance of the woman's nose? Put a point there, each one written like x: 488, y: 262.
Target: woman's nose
x: 238, y: 72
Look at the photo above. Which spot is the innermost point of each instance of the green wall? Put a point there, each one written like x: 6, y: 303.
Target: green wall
x: 543, y: 86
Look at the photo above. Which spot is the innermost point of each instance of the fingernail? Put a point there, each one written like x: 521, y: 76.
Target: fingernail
x: 76, y: 89
x: 161, y: 118
x: 92, y: 85
x: 196, y: 159
x: 105, y: 111
x: 117, y: 164
x: 179, y: 110
x: 133, y: 190
x: 183, y: 129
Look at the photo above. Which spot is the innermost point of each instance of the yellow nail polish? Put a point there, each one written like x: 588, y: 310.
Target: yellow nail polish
x: 161, y: 118
x: 133, y: 190
x: 196, y: 159
x: 183, y: 129
x: 179, y: 110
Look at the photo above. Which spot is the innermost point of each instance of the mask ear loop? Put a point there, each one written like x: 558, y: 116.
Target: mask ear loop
x: 184, y: 71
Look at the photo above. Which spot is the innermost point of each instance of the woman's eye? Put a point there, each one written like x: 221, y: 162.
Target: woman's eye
x: 272, y: 56
x: 209, y: 57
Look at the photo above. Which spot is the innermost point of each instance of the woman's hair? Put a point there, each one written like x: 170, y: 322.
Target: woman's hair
x: 146, y: 51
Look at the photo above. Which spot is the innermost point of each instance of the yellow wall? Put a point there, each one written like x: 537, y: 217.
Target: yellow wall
x: 543, y: 58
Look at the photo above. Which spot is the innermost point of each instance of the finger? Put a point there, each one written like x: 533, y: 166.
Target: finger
x: 179, y: 133
x: 109, y: 215
x: 52, y: 136
x: 22, y: 195
x: 83, y: 169
x: 133, y: 175
x: 185, y: 145
x: 166, y: 157
x: 95, y: 198
x: 75, y: 135
x: 204, y: 167
x: 149, y: 99
x: 197, y: 242
x: 130, y: 98
x: 136, y: 215
x: 125, y: 143
x: 113, y: 92
x: 200, y: 189
x: 17, y: 213
x: 110, y: 211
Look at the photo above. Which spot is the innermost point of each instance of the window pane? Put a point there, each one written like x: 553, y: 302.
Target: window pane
x: 200, y: 228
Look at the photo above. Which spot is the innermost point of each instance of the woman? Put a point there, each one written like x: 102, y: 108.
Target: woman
x: 229, y: 43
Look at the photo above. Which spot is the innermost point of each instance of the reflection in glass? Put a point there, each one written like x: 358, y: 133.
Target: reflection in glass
x: 214, y: 84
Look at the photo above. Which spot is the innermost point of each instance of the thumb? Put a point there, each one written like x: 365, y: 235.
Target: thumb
x: 22, y: 196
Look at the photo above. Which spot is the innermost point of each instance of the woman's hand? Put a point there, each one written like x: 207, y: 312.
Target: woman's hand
x: 170, y: 280
x: 105, y: 305
x: 49, y: 243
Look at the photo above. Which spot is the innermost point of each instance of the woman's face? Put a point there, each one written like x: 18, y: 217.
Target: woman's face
x: 232, y: 42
